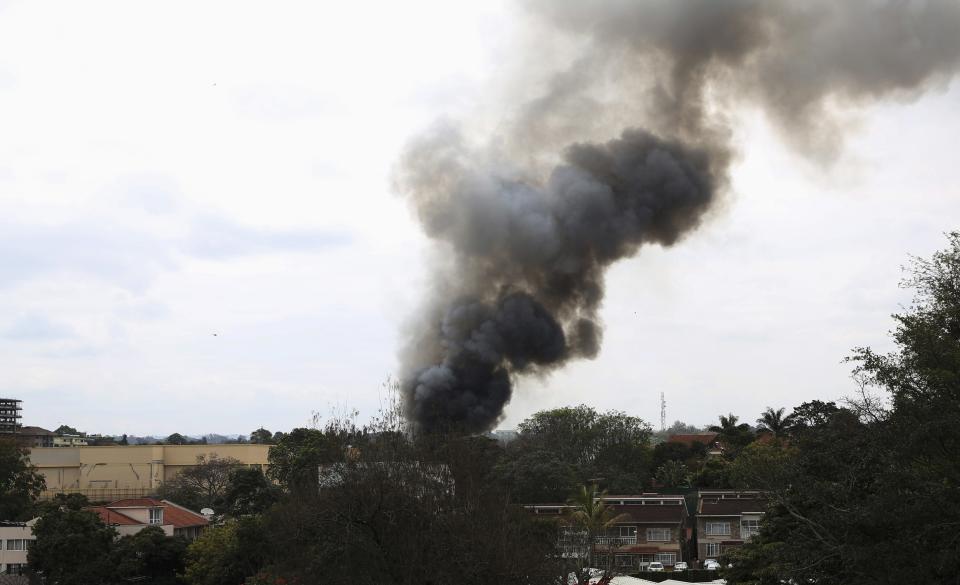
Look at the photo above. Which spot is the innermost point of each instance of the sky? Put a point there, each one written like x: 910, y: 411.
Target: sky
x: 198, y: 232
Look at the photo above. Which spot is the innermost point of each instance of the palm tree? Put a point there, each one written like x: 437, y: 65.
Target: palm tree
x: 593, y: 516
x: 732, y: 435
x: 774, y: 421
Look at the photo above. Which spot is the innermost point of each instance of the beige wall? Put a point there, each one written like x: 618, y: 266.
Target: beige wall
x: 14, y: 533
x: 127, y: 470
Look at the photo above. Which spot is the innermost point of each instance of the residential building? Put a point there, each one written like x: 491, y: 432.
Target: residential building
x: 128, y: 471
x: 651, y: 527
x: 709, y: 440
x: 61, y: 441
x: 15, y: 540
x: 36, y: 436
x: 9, y: 416
x: 130, y: 516
x: 727, y: 518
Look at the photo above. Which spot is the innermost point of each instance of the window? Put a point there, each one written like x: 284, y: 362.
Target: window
x: 16, y: 568
x: 658, y: 534
x: 156, y: 515
x: 666, y: 558
x: 17, y: 544
x: 749, y: 527
x: 713, y: 549
x: 625, y: 561
x: 718, y: 528
x: 628, y: 534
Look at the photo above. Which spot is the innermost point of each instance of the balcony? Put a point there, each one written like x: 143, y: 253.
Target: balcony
x: 615, y: 540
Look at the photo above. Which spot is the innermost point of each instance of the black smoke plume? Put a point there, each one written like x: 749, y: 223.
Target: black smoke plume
x: 528, y: 226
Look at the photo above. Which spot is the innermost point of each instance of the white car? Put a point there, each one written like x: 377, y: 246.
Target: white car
x: 655, y: 567
x: 711, y: 564
x: 680, y: 566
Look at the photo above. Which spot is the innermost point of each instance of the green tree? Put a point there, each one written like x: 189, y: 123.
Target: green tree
x: 123, y: 440
x: 594, y: 518
x: 261, y: 436
x: 249, y: 492
x: 66, y: 430
x: 202, y: 485
x: 149, y: 556
x: 673, y: 474
x: 72, y: 547
x: 733, y: 436
x: 226, y: 554
x: 773, y: 421
x: 20, y: 483
x: 176, y: 439
x: 295, y: 458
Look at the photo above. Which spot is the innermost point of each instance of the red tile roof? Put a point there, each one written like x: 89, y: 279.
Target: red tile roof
x: 181, y: 517
x: 137, y: 503
x: 114, y: 518
x: 689, y: 439
x: 173, y: 514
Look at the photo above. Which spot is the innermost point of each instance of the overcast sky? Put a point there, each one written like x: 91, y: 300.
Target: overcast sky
x: 197, y: 231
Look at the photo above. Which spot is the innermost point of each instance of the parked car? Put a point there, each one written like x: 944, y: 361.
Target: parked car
x: 680, y: 566
x: 711, y: 564
x: 655, y: 567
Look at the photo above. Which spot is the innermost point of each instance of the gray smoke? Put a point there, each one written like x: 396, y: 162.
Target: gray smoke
x: 525, y: 249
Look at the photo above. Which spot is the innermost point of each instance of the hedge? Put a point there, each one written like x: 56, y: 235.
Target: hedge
x: 692, y: 576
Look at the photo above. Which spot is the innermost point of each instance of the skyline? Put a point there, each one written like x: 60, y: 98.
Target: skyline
x: 153, y: 197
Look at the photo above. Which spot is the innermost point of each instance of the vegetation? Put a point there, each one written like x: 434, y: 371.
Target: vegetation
x: 20, y: 483
x: 860, y: 492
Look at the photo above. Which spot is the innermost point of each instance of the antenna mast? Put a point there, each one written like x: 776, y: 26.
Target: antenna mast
x: 663, y: 412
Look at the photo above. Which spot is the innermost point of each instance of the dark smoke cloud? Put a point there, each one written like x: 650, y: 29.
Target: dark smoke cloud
x: 526, y: 249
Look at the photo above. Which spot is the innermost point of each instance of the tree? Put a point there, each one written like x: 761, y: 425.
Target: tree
x: 611, y: 448
x: 733, y: 436
x: 202, y: 485
x: 673, y: 474
x: 176, y: 439
x: 72, y: 547
x: 149, y: 556
x: 295, y: 458
x: 249, y: 492
x: 123, y: 440
x: 66, y: 430
x: 226, y: 554
x: 261, y: 436
x: 594, y: 517
x: 773, y: 421
x: 65, y: 501
x: 20, y: 483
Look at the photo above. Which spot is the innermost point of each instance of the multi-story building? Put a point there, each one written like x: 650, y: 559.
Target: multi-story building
x: 15, y: 539
x: 69, y: 441
x: 122, y: 471
x: 727, y: 518
x: 649, y: 527
x: 9, y: 416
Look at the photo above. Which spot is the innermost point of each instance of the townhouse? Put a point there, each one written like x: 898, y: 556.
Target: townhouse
x: 649, y: 527
x: 726, y: 519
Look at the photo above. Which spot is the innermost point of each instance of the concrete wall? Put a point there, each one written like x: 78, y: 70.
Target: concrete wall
x: 120, y: 471
x: 8, y: 557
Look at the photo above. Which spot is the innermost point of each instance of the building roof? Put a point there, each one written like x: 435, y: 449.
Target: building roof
x: 667, y: 514
x: 689, y: 439
x: 114, y: 518
x: 731, y: 503
x: 181, y: 517
x: 36, y: 431
x: 137, y: 503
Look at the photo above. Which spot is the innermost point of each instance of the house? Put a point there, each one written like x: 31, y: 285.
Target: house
x: 709, y: 440
x: 36, y: 436
x: 651, y: 528
x: 727, y: 518
x: 133, y: 515
x: 15, y: 539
